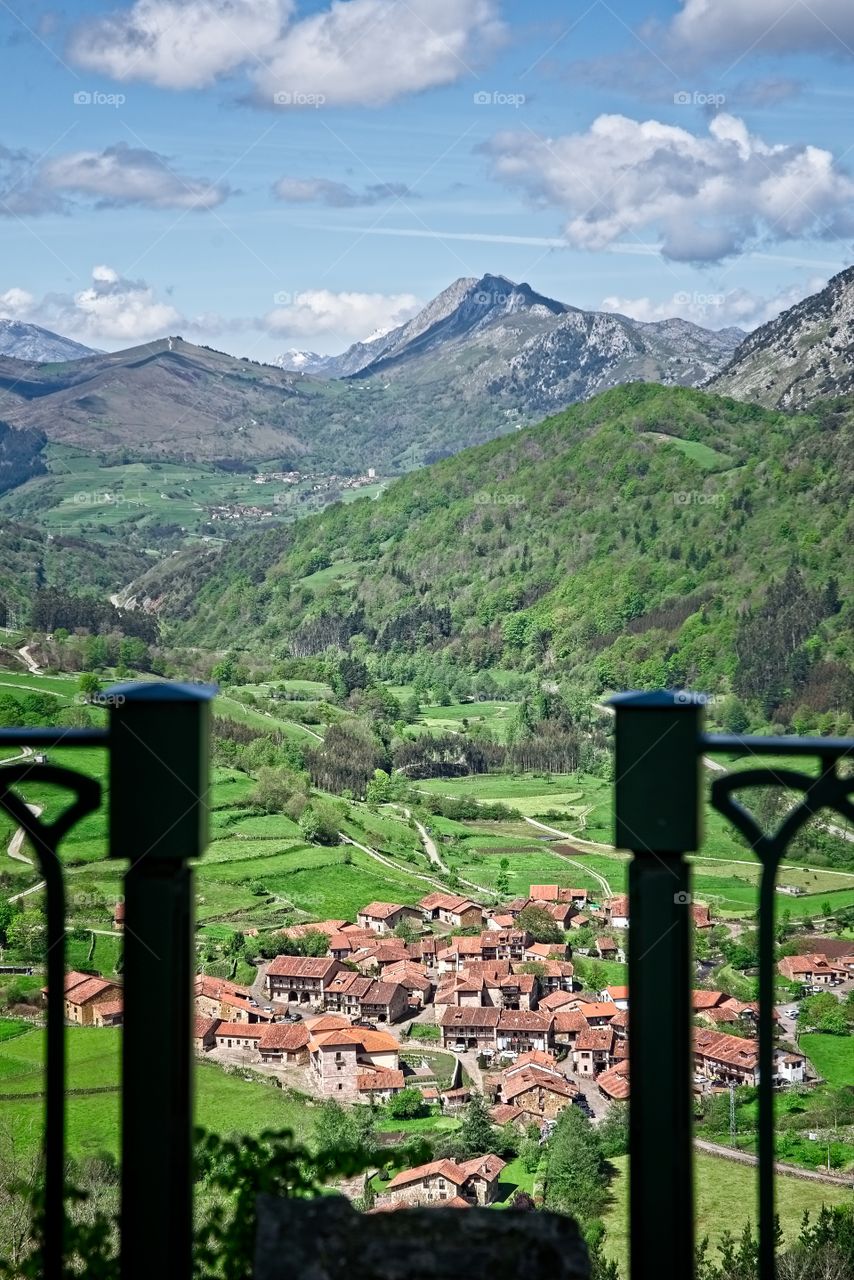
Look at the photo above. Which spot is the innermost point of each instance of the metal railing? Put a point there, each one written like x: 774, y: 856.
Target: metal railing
x: 157, y: 740
x: 157, y: 743
x: 659, y: 800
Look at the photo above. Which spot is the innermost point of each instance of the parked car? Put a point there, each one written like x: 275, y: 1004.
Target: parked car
x: 365, y: 1024
x: 268, y: 1008
x: 791, y: 1013
x: 292, y: 1017
x: 459, y: 1046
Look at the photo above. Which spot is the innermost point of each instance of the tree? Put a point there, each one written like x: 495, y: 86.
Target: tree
x: 576, y: 1180
x: 476, y: 1134
x: 7, y: 915
x: 337, y: 1128
x: 311, y: 943
x: 540, y: 924
x: 613, y: 1131
x: 406, y: 930
x: 277, y: 789
x: 378, y: 790
x: 27, y: 934
x: 406, y: 1105
x: 825, y: 1014
x: 89, y: 685
x: 502, y: 880
x: 320, y: 823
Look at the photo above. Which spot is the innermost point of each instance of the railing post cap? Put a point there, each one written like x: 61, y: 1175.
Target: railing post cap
x: 658, y: 700
x: 158, y: 691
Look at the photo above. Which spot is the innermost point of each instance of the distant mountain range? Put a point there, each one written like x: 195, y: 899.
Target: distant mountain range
x: 486, y: 357
x: 31, y: 342
x: 806, y: 354
x: 502, y: 342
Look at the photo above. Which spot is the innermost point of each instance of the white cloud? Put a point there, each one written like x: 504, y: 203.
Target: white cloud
x: 110, y: 309
x: 370, y: 52
x: 355, y: 52
x: 179, y: 44
x: 716, y: 309
x: 121, y: 175
x: 349, y: 315
x: 337, y: 195
x: 705, y: 196
x: 15, y: 304
x: 737, y: 27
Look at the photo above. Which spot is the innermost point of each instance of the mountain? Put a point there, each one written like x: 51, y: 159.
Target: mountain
x: 626, y: 542
x: 806, y: 354
x: 485, y: 357
x: 169, y: 398
x: 492, y: 340
x: 30, y: 342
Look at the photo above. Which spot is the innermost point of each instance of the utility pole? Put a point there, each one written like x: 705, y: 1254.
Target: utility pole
x: 732, y: 1112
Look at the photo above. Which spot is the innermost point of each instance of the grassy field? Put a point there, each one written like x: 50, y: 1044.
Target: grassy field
x: 225, y: 1103
x: 725, y: 1199
x: 832, y: 1056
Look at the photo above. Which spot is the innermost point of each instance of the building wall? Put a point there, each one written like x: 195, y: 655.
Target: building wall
x: 335, y: 1072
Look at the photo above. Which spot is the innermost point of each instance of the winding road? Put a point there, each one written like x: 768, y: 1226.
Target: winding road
x: 564, y: 835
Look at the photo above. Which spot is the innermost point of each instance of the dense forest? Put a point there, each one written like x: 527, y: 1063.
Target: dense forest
x: 650, y: 537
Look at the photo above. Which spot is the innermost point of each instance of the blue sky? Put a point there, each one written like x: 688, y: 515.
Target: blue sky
x: 266, y: 174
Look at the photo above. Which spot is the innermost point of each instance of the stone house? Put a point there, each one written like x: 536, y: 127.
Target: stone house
x: 300, y: 978
x: 453, y: 910
x: 593, y: 1050
x: 473, y: 1181
x: 384, y: 917
x: 520, y: 1031
x: 474, y: 1028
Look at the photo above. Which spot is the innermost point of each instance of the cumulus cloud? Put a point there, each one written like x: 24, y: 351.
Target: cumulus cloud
x: 337, y: 195
x: 110, y: 309
x: 316, y: 312
x: 15, y: 304
x: 118, y: 175
x: 121, y: 175
x: 179, y: 44
x: 355, y: 52
x: 716, y: 309
x: 706, y: 196
x: 370, y: 52
x: 734, y: 28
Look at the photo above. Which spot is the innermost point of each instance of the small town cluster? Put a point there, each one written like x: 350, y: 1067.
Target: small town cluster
x: 511, y: 1011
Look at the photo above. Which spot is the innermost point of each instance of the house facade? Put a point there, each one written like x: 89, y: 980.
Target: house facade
x: 302, y: 979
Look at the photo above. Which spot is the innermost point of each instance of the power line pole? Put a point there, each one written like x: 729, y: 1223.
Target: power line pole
x: 732, y: 1112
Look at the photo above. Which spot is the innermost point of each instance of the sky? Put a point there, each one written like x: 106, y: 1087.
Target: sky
x: 262, y: 175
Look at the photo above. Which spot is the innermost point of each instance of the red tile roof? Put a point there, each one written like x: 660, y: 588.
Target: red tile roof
x: 470, y: 1017
x: 240, y: 1030
x: 614, y: 1082
x: 302, y: 967
x: 380, y: 910
x: 595, y: 1039
x: 287, y: 1037
x: 374, y: 1081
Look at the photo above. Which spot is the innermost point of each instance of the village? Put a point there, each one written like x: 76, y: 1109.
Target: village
x: 349, y: 1011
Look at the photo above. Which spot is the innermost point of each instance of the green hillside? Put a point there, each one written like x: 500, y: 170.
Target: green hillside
x: 652, y: 536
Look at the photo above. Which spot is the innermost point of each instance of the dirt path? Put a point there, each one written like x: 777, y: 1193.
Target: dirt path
x: 427, y: 840
x: 26, y: 656
x: 564, y: 835
x: 18, y: 838
x: 417, y: 875
x: 790, y: 1170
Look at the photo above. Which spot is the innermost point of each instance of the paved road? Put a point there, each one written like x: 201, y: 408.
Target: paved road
x: 791, y: 1170
x: 427, y: 840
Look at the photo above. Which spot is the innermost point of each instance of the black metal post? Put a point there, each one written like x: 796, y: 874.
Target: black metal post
x: 657, y: 810
x: 158, y: 819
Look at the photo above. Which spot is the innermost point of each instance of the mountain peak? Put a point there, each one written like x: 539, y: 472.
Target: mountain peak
x: 34, y: 344
x: 803, y: 355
